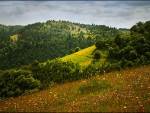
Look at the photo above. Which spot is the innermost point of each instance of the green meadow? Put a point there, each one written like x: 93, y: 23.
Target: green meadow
x: 119, y: 91
x: 83, y: 57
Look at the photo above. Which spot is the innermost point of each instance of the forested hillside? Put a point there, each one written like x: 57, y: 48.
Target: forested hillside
x: 128, y: 50
x: 111, y: 54
x: 41, y: 41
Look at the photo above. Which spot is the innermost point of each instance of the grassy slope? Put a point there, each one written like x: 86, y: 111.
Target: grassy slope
x: 14, y: 37
x: 75, y: 31
x: 127, y: 90
x: 83, y: 57
x: 70, y: 25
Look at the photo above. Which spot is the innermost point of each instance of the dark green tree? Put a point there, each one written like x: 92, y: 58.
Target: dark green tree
x: 77, y: 49
x: 98, y: 55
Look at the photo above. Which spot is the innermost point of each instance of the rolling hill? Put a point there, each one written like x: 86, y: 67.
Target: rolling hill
x: 21, y: 45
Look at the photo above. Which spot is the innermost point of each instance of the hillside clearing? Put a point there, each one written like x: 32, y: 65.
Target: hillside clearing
x: 75, y: 31
x: 14, y: 37
x: 86, y: 56
x: 124, y: 91
x: 83, y: 57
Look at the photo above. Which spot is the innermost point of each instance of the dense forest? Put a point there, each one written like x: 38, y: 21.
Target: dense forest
x: 128, y: 50
x: 125, y: 50
x: 21, y: 45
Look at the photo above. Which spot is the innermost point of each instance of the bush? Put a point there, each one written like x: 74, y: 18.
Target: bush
x: 116, y: 66
x: 143, y: 59
x: 16, y: 82
x: 17, y: 92
x: 30, y: 91
x: 98, y: 55
x: 72, y: 51
x: 107, y: 66
x: 4, y: 92
x: 148, y: 55
x: 77, y: 49
x: 35, y: 63
x: 129, y: 64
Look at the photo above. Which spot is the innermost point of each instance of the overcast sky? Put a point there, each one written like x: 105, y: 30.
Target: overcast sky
x: 119, y: 14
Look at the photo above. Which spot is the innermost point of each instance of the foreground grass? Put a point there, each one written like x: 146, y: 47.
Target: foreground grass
x: 120, y: 91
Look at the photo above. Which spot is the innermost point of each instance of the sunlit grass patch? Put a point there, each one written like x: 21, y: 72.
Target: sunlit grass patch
x: 14, y: 37
x: 77, y: 59
x: 85, y: 63
x: 82, y: 57
x: 85, y: 57
x: 86, y: 51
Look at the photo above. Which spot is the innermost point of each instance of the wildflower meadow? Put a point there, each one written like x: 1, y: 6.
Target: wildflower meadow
x: 118, y: 91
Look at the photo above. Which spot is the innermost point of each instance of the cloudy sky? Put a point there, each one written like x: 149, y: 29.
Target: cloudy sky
x: 119, y: 14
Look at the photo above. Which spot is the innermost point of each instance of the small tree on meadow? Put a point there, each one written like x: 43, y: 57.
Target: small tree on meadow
x: 77, y: 49
x: 98, y: 55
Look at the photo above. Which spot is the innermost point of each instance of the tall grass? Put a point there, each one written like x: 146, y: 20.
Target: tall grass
x: 118, y: 91
x: 93, y: 85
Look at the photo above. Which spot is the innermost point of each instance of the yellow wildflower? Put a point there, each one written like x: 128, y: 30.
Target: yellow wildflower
x: 124, y: 107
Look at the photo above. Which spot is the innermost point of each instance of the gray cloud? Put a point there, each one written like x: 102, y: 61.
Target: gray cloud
x: 111, y: 13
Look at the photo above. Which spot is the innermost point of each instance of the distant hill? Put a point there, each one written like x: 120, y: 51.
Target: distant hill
x: 61, y: 29
x: 21, y: 45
